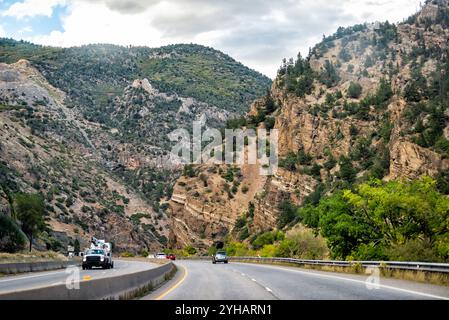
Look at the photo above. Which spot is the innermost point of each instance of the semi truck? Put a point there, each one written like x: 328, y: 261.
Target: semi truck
x: 98, y: 255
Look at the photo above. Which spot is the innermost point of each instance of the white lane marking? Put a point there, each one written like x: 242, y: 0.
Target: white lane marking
x: 268, y: 289
x: 33, y: 276
x: 361, y: 282
x: 243, y: 274
x: 254, y: 279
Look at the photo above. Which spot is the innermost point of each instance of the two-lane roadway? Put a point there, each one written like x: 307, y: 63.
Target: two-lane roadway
x: 201, y: 280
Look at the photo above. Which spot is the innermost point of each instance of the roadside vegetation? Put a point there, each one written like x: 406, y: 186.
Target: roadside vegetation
x: 402, y: 221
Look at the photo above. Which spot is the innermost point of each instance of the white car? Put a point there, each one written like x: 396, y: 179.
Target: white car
x: 161, y: 255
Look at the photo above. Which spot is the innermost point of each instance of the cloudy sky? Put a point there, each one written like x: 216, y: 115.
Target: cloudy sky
x: 259, y: 33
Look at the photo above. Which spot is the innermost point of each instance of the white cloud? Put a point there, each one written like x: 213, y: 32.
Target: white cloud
x: 26, y: 29
x: 258, y: 33
x: 96, y: 23
x: 32, y: 8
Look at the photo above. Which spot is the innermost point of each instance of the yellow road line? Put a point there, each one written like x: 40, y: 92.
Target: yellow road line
x: 184, y: 276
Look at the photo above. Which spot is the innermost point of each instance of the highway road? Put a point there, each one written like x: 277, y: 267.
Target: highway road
x: 201, y: 280
x: 49, y: 278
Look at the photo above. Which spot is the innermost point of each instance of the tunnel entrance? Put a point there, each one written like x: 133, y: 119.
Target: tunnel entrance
x: 219, y: 244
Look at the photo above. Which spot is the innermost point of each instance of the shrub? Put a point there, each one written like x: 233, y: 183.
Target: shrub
x: 303, y: 244
x: 269, y: 123
x: 413, y: 250
x: 442, y: 145
x: 189, y: 171
x: 238, y: 249
x: 268, y: 250
x: 127, y: 254
x: 354, y: 90
x: 351, y: 219
x: 189, y: 250
x: 329, y: 75
x: 244, y: 234
x: 289, y: 162
x: 287, y: 213
x: 266, y: 238
x: 344, y: 55
x: 240, y: 223
x: 304, y: 158
x: 12, y: 238
x: 144, y: 253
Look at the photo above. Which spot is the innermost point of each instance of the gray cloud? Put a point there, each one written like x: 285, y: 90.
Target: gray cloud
x: 127, y: 6
x: 257, y: 32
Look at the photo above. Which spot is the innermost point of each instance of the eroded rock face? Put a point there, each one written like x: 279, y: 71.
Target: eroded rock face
x: 82, y: 199
x: 408, y: 160
x: 204, y: 208
x: 348, y: 137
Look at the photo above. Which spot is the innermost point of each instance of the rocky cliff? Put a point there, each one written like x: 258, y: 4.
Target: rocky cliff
x: 368, y: 102
x: 45, y: 149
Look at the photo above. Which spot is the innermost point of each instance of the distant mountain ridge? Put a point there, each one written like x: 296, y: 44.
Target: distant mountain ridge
x: 86, y: 127
x: 88, y: 72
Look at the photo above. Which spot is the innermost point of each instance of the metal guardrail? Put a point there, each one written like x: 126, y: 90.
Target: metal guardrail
x: 399, y: 265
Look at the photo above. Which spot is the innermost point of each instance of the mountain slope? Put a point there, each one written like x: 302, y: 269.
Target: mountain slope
x: 90, y: 74
x: 87, y: 128
x: 43, y: 151
x: 368, y: 102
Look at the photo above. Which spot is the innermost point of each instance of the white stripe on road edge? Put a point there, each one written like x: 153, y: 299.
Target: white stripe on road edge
x: 268, y: 289
x: 253, y: 279
x: 358, y: 281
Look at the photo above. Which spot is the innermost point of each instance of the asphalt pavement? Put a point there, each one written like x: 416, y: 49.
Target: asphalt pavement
x: 201, y: 280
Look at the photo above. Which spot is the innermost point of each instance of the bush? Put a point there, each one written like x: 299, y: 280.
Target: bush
x: 190, y: 251
x: 303, y: 244
x: 345, y: 55
x: 287, y: 213
x: 267, y: 238
x: 127, y: 254
x: 238, y: 249
x: 329, y: 75
x: 351, y: 219
x: 442, y: 145
x: 244, y: 234
x: 269, y: 250
x: 354, y: 90
x: 189, y: 171
x: 144, y: 253
x: 413, y: 250
x: 12, y: 238
x: 289, y: 162
x: 240, y: 223
x: 269, y: 123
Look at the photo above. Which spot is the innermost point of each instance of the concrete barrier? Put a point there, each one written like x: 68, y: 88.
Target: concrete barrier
x: 20, y: 267
x: 119, y: 287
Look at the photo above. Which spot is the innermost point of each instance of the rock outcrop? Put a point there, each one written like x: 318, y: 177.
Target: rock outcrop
x: 363, y: 105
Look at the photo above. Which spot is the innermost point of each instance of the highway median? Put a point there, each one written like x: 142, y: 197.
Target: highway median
x: 123, y: 287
